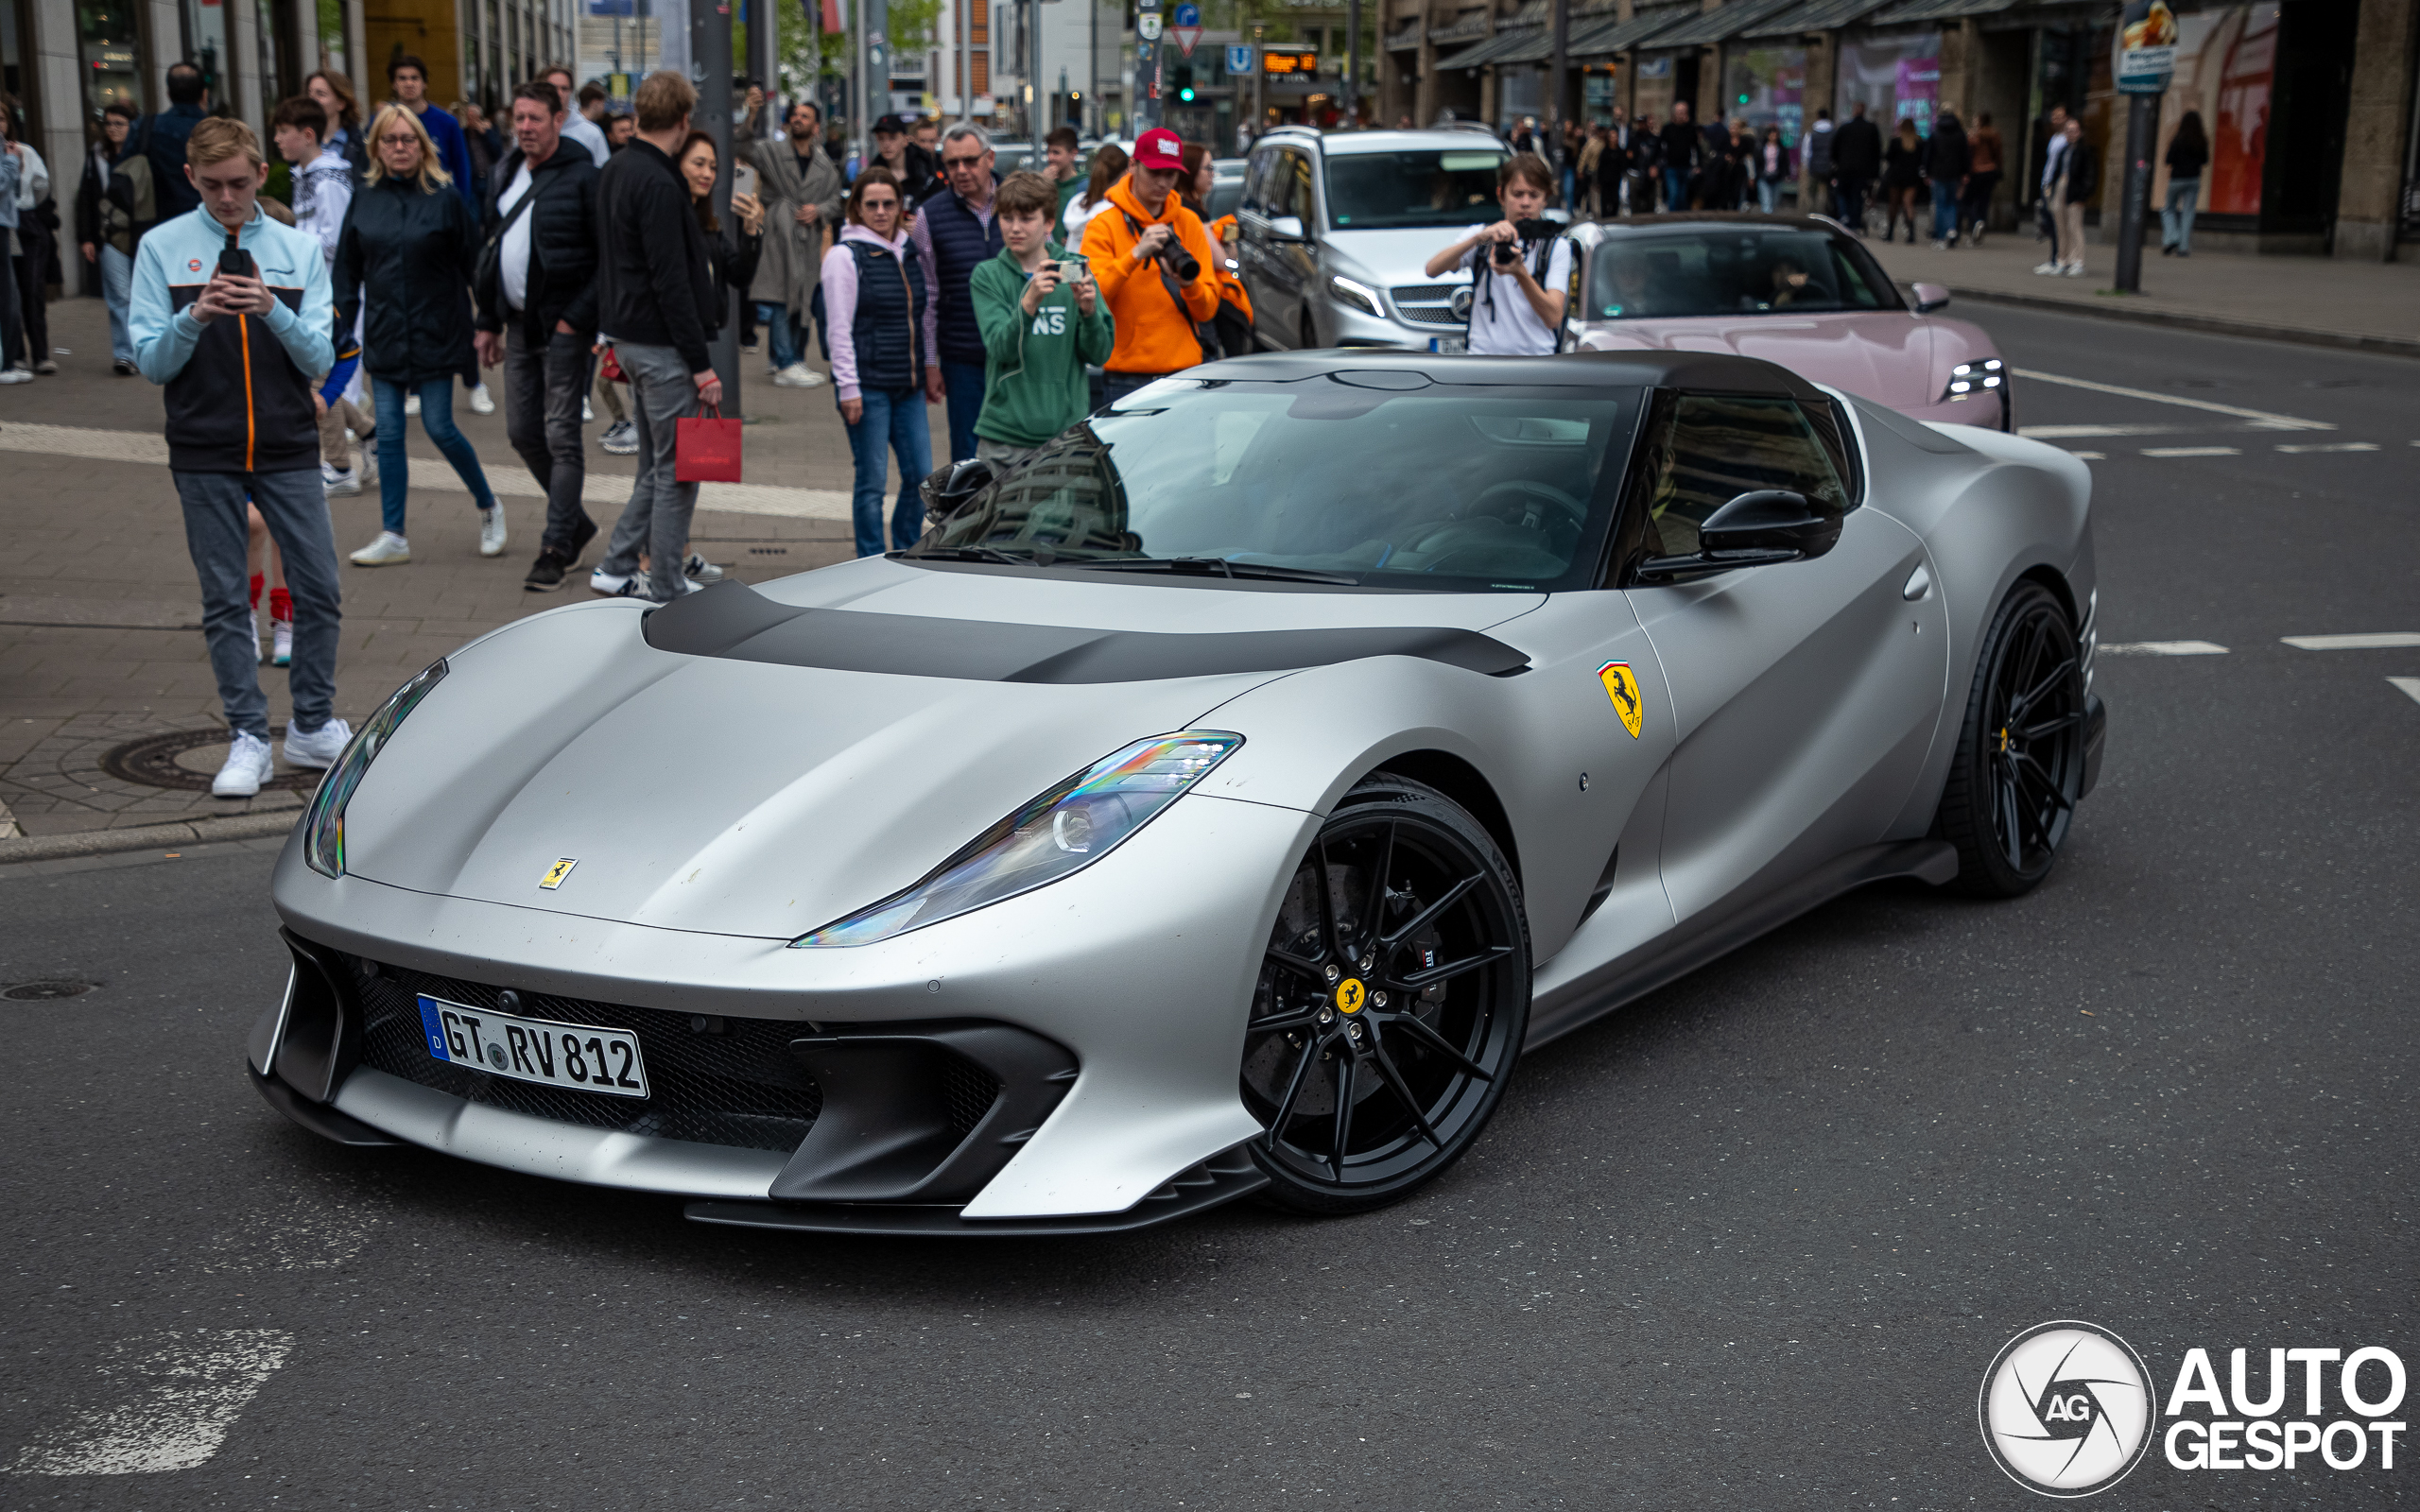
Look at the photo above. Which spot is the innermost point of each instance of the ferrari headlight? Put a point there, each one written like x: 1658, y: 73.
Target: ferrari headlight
x: 1969, y: 379
x: 1360, y: 296
x: 1059, y: 833
x: 323, y: 827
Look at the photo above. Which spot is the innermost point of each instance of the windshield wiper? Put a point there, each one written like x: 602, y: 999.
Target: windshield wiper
x: 1217, y: 567
x: 971, y: 554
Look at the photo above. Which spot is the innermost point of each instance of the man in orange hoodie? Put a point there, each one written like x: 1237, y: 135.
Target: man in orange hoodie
x: 1156, y: 267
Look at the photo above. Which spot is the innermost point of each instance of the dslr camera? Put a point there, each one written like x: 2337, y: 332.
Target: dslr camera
x: 1177, y: 260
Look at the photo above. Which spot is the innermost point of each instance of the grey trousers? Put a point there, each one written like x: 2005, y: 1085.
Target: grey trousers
x: 218, y: 533
x: 543, y: 386
x: 657, y: 517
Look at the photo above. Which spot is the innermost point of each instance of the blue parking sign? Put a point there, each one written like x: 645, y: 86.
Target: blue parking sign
x: 1240, y: 59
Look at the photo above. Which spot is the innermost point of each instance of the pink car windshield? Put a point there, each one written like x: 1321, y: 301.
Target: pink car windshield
x: 1726, y: 271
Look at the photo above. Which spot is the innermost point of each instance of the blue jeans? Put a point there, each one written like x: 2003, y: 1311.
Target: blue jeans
x: 2176, y: 214
x: 436, y: 418
x: 963, y: 381
x: 1676, y: 189
x: 893, y: 417
x: 117, y: 282
x: 218, y: 535
x: 1769, y: 195
x: 781, y: 333
x: 1945, y: 209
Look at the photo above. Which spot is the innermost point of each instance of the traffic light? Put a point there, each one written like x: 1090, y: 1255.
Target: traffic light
x: 1181, y: 75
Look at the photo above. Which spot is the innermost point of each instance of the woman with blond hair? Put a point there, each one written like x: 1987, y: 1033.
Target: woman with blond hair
x: 407, y: 250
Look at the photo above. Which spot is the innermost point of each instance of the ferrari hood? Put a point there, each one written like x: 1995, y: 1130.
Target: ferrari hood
x: 702, y: 775
x: 1882, y: 355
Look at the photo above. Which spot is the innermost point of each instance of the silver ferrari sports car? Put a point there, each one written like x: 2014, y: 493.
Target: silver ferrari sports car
x: 1217, y: 804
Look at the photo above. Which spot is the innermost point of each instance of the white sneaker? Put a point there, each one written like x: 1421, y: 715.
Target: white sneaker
x: 482, y: 403
x: 2073, y: 271
x: 412, y: 404
x: 281, y: 634
x: 612, y: 585
x: 492, y: 531
x: 342, y: 484
x: 2046, y: 267
x: 797, y: 375
x: 621, y: 438
x: 248, y: 766
x: 319, y: 747
x: 388, y: 550
x: 15, y: 375
x: 587, y: 412
x: 697, y: 570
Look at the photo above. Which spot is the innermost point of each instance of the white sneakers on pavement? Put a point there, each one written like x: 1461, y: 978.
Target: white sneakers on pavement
x: 2072, y: 269
x: 2049, y: 267
x: 635, y: 585
x: 247, y: 767
x: 319, y: 748
x: 621, y: 438
x: 697, y: 570
x: 482, y: 403
x: 340, y: 484
x: 797, y: 375
x: 610, y: 585
x: 587, y: 410
x: 492, y: 531
x: 15, y: 375
x: 389, y: 550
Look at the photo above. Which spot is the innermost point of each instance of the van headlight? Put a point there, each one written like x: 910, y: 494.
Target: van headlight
x: 1360, y: 296
x: 1057, y: 834
x: 323, y: 826
x: 1970, y: 379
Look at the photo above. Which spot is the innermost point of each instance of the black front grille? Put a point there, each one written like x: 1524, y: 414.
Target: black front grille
x: 969, y: 1091
x: 713, y: 1080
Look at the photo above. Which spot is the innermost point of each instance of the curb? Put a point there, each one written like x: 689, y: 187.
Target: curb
x: 143, y: 837
x: 2218, y: 325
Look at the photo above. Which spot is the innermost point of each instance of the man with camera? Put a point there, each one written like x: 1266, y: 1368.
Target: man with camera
x: 1154, y: 264
x: 1519, y: 267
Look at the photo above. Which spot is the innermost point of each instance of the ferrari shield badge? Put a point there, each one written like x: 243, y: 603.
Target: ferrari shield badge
x: 1621, y: 687
x: 556, y: 874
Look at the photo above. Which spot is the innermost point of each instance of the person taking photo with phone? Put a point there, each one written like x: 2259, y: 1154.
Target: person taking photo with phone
x: 231, y: 313
x: 1042, y: 320
x: 1519, y: 267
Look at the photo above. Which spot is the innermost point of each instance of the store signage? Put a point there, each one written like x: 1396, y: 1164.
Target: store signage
x: 1278, y: 61
x: 2145, y: 47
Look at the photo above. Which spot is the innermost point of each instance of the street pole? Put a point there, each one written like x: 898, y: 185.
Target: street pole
x: 1033, y: 96
x: 1260, y: 83
x: 710, y: 59
x: 2142, y: 135
x: 762, y: 23
x: 1092, y: 68
x: 1558, y: 76
x: 1350, y: 95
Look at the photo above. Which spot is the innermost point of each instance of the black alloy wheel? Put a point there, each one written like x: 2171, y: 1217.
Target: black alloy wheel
x: 2019, y: 764
x: 1392, y: 1003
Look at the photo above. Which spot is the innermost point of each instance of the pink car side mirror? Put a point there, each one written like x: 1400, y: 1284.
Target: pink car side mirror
x: 1929, y: 297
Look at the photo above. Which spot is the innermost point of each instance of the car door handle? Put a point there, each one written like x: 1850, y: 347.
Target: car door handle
x: 1919, y: 584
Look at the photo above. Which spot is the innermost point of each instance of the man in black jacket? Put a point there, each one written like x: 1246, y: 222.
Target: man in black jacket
x: 1857, y: 157
x: 1684, y: 158
x: 537, y: 300
x: 656, y: 304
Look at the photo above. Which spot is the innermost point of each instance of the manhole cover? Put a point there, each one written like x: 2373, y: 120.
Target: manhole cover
x: 44, y: 992
x: 188, y: 759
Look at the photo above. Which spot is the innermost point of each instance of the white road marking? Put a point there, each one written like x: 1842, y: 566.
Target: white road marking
x: 2285, y: 422
x: 2090, y: 456
x: 2193, y: 450
x: 2061, y: 432
x: 2374, y: 641
x: 2410, y: 685
x: 179, y: 1397
x: 2163, y: 649
x: 2334, y: 446
x: 606, y: 490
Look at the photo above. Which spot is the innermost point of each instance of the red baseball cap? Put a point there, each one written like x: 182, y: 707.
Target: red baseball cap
x: 1159, y: 148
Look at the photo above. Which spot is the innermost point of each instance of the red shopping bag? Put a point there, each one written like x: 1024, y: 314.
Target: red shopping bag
x: 613, y: 369
x: 706, y: 449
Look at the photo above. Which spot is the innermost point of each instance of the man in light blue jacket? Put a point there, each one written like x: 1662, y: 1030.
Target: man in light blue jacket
x: 231, y: 313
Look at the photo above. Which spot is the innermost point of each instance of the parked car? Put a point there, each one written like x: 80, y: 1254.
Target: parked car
x: 1794, y: 289
x: 1219, y: 803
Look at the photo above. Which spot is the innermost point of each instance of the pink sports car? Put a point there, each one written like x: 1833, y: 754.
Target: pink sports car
x: 1798, y: 290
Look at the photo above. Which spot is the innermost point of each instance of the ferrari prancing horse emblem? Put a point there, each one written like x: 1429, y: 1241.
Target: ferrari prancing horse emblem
x: 556, y: 874
x: 1623, y: 689
x: 1349, y: 994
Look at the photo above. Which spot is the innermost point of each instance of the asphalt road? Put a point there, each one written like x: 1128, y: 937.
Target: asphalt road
x: 1750, y: 1244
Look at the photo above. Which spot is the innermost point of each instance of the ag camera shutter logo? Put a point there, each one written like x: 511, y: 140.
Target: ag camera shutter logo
x: 2066, y: 1409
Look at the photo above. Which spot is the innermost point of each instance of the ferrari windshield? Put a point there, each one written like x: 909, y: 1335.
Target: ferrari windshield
x: 1461, y: 487
x: 1723, y: 269
x: 1378, y: 191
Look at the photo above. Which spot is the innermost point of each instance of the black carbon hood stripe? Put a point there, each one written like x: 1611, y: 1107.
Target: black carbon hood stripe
x: 731, y: 620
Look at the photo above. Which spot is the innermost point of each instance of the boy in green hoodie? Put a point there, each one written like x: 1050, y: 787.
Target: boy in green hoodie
x: 1040, y: 327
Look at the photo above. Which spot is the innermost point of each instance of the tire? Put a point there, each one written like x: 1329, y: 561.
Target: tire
x: 2018, y: 769
x: 1385, y: 1023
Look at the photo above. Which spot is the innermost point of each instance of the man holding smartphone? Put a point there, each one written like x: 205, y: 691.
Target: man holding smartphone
x: 1518, y: 274
x: 231, y: 313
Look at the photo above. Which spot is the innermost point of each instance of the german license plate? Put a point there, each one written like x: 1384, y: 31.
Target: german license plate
x: 1449, y: 345
x: 579, y: 1056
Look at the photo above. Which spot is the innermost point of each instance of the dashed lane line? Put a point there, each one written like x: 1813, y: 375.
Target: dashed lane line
x: 177, y: 1396
x: 2334, y: 446
x: 2063, y: 433
x: 2410, y: 685
x: 2163, y: 649
x: 2285, y: 422
x: 2193, y: 450
x: 2090, y: 456
x: 2373, y: 640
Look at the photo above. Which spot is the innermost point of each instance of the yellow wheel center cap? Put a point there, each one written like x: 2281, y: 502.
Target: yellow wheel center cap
x: 1350, y: 995
x: 2003, y: 738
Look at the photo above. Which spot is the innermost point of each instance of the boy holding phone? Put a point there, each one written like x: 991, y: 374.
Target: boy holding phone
x: 1042, y: 319
x: 1518, y: 282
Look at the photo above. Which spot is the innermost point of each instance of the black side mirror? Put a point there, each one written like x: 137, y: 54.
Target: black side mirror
x: 1756, y: 529
x: 946, y: 491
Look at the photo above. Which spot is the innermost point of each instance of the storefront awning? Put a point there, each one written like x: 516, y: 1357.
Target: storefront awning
x: 1721, y: 24
x: 1606, y: 38
x: 1914, y: 10
x: 1489, y: 51
x: 1813, y: 15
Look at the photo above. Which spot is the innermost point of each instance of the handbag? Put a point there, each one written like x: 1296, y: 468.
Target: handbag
x: 612, y: 369
x: 705, y: 447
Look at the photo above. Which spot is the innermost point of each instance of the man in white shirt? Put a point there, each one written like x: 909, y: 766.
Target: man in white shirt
x: 577, y: 124
x: 1517, y: 282
x: 537, y: 298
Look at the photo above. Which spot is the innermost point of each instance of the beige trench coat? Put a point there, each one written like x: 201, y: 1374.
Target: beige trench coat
x: 793, y: 256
